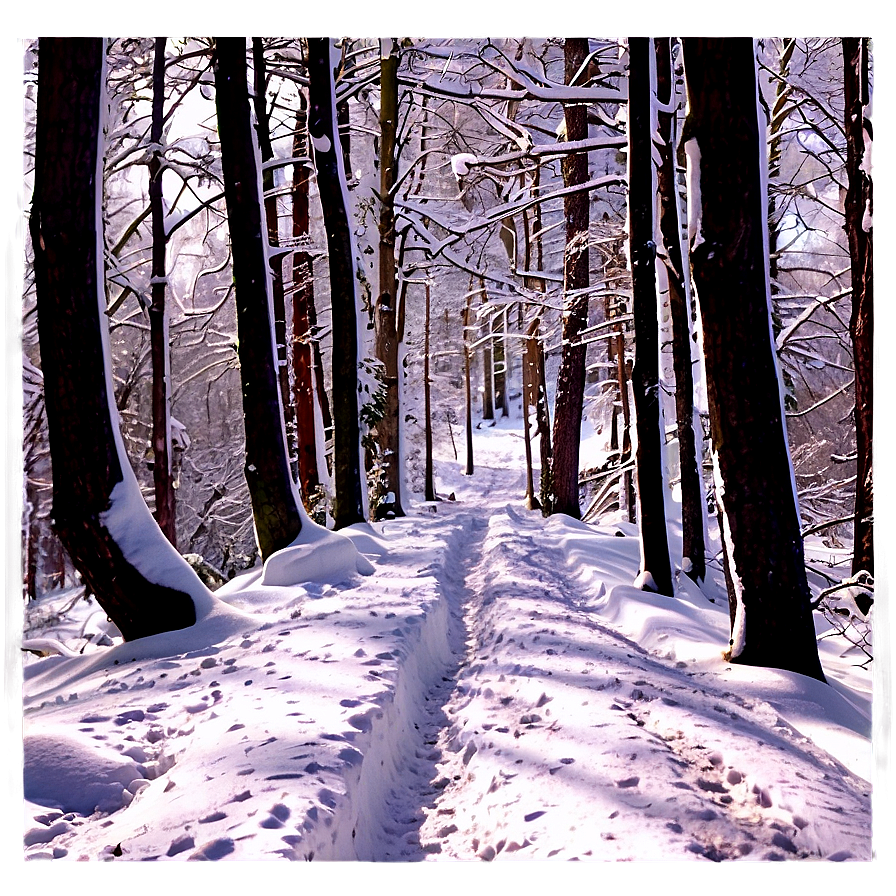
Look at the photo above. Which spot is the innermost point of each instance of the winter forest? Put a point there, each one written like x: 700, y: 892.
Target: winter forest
x: 447, y: 449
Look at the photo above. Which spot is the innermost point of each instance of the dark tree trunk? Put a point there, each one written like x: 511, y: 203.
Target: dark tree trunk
x: 388, y: 429
x: 429, y: 487
x: 488, y: 364
x: 656, y: 574
x: 543, y: 426
x: 859, y: 206
x: 349, y: 500
x: 263, y: 129
x: 530, y: 400
x: 571, y: 376
x: 776, y: 127
x: 271, y: 488
x: 86, y: 450
x: 468, y: 314
x: 302, y: 308
x: 162, y: 473
x: 765, y: 572
x: 500, y: 363
x: 692, y: 506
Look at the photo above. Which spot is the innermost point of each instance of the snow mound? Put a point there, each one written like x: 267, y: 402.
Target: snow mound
x: 74, y: 775
x: 317, y: 555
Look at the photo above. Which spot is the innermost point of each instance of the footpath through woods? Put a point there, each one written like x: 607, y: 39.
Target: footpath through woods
x: 495, y: 690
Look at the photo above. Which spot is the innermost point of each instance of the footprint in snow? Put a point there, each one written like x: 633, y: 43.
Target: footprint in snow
x: 213, y: 850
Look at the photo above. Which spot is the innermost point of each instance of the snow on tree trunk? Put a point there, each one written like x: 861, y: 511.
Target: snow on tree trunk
x: 262, y: 126
x: 655, y: 573
x: 138, y: 578
x: 860, y: 232
x: 274, y: 499
x: 768, y: 593
x: 350, y: 498
x: 569, y: 400
x: 162, y: 474
x: 690, y: 462
x: 307, y: 440
x: 387, y: 344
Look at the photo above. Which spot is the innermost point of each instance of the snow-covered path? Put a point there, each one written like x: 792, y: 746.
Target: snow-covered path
x: 495, y: 690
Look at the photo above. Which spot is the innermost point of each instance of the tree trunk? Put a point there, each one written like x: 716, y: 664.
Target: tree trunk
x: 530, y: 400
x: 692, y: 504
x: 768, y: 594
x: 87, y: 452
x: 275, y: 260
x: 271, y: 488
x: 488, y: 364
x: 349, y: 500
x: 302, y: 305
x: 388, y: 429
x: 571, y: 376
x: 429, y: 488
x: 859, y: 206
x: 656, y: 573
x: 468, y: 309
x: 776, y: 126
x: 162, y: 472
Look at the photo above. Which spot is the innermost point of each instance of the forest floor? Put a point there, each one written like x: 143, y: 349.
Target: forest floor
x: 495, y: 690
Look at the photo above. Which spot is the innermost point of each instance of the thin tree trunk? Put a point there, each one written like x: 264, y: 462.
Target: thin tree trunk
x: 656, y: 573
x: 569, y: 401
x: 162, y: 473
x: 429, y: 478
x: 302, y: 305
x: 776, y: 127
x: 859, y: 230
x: 349, y: 500
x: 530, y: 400
x: 768, y: 594
x: 91, y: 475
x: 271, y: 488
x: 275, y: 261
x: 388, y: 429
x: 488, y: 364
x: 692, y: 505
x: 468, y: 309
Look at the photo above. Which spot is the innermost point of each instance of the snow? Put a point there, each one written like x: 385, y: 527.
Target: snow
x: 494, y: 689
x: 460, y: 163
x: 321, y: 143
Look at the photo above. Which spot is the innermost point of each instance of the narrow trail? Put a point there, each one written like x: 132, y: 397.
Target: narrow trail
x: 539, y: 739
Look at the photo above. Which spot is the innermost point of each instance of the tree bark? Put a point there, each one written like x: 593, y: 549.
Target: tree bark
x: 656, y: 574
x: 429, y: 486
x: 571, y: 376
x: 271, y: 488
x: 692, y: 504
x: 859, y: 230
x: 349, y: 501
x: 86, y: 450
x: 162, y: 473
x: 388, y: 429
x: 468, y: 309
x: 768, y: 594
x: 302, y: 306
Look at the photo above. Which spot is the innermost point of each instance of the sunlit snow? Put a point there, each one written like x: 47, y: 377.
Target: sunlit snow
x: 495, y: 689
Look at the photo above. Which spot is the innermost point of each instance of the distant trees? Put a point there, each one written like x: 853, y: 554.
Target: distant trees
x: 98, y: 513
x: 771, y: 618
x: 274, y: 500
